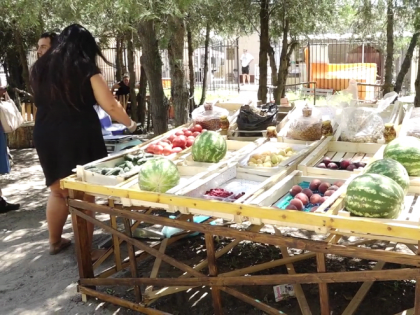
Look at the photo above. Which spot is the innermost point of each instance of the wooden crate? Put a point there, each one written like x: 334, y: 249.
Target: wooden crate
x: 190, y: 175
x: 410, y: 216
x: 279, y: 190
x: 84, y: 175
x: 338, y: 150
x: 229, y: 179
x: 288, y: 164
x: 236, y: 149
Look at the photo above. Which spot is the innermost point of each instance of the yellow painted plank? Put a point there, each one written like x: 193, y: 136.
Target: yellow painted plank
x: 358, y: 225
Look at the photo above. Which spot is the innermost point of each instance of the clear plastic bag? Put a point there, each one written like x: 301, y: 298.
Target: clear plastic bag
x: 208, y: 116
x: 413, y: 124
x: 361, y: 124
x: 305, y: 124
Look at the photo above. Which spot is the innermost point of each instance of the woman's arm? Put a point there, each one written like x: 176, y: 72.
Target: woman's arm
x: 107, y: 101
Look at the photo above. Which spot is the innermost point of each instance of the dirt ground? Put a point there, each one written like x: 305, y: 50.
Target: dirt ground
x: 33, y: 282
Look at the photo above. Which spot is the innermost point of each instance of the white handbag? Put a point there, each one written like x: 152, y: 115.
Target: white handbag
x: 10, y: 117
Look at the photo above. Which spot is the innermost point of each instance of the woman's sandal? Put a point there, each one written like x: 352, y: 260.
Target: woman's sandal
x: 59, y: 246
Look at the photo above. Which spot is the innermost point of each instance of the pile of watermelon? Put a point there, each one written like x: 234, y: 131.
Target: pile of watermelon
x: 158, y: 175
x: 209, y: 147
x: 379, y: 192
x: 176, y: 142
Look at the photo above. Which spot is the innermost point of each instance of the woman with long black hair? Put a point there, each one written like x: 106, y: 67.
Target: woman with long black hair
x: 67, y: 83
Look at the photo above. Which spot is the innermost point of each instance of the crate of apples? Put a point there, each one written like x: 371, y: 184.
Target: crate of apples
x: 311, y: 198
x: 345, y: 165
x: 176, y: 142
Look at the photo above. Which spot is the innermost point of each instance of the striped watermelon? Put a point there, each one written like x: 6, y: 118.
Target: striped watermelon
x: 405, y: 150
x: 391, y: 169
x: 209, y: 147
x: 158, y: 175
x: 374, y: 196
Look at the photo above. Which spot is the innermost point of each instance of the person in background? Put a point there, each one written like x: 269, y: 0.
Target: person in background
x: 122, y: 87
x: 45, y: 42
x: 67, y: 83
x: 246, y: 59
x: 4, y: 165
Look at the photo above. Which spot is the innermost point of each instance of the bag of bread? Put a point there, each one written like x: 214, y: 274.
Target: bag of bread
x: 305, y: 124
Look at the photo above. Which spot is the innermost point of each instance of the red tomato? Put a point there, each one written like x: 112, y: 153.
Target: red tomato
x: 179, y: 133
x: 191, y: 138
x: 166, y: 141
x: 184, y: 129
x: 158, y: 149
x: 198, y: 128
x: 167, y: 151
x: 180, y: 142
x: 203, y: 130
x: 196, y: 134
x: 171, y: 138
x: 176, y: 150
x: 151, y: 148
x: 191, y: 129
x: 188, y: 133
x: 189, y: 142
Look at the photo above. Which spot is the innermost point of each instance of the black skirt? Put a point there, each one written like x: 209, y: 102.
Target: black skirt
x: 62, y: 146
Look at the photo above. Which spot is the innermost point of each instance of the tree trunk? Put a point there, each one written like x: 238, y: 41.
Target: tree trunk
x: 206, y: 64
x: 264, y: 46
x: 23, y: 61
x: 388, y: 87
x: 417, y: 86
x: 273, y: 66
x: 141, y: 97
x: 284, y: 65
x: 152, y: 64
x: 119, y: 62
x: 176, y: 63
x: 406, y: 63
x: 191, y: 69
x: 130, y: 58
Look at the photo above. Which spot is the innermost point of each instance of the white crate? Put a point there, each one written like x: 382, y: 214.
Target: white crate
x: 229, y: 179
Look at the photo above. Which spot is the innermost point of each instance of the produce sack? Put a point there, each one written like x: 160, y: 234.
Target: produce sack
x: 258, y: 119
x: 413, y: 124
x: 305, y: 124
x: 361, y: 124
x: 208, y: 116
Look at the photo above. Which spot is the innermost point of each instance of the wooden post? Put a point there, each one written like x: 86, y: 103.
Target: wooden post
x: 323, y: 288
x: 115, y: 240
x: 211, y: 257
x: 133, y: 261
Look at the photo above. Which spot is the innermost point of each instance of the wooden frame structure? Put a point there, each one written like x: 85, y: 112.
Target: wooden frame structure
x: 371, y: 230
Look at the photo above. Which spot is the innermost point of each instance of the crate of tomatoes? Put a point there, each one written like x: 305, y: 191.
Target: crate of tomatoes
x: 176, y: 142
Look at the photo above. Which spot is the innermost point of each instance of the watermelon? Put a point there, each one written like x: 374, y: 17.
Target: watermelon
x: 405, y: 150
x: 209, y: 147
x: 374, y: 196
x: 158, y: 175
x: 391, y: 169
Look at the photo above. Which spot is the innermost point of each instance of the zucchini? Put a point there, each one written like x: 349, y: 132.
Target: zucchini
x: 115, y: 171
x: 129, y: 157
x: 105, y: 170
x: 129, y: 165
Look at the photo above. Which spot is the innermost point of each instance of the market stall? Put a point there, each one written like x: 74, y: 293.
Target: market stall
x: 244, y: 187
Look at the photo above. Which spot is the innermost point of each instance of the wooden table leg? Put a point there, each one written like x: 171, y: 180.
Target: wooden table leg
x: 82, y: 245
x: 115, y: 240
x: 133, y: 261
x: 211, y: 257
x: 323, y: 288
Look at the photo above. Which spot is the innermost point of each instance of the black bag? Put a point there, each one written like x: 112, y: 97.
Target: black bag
x: 248, y: 120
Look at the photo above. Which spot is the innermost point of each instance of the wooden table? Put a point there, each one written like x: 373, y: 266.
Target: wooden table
x: 193, y: 276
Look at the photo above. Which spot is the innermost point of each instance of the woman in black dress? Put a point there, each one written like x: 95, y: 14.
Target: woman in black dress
x: 67, y: 83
